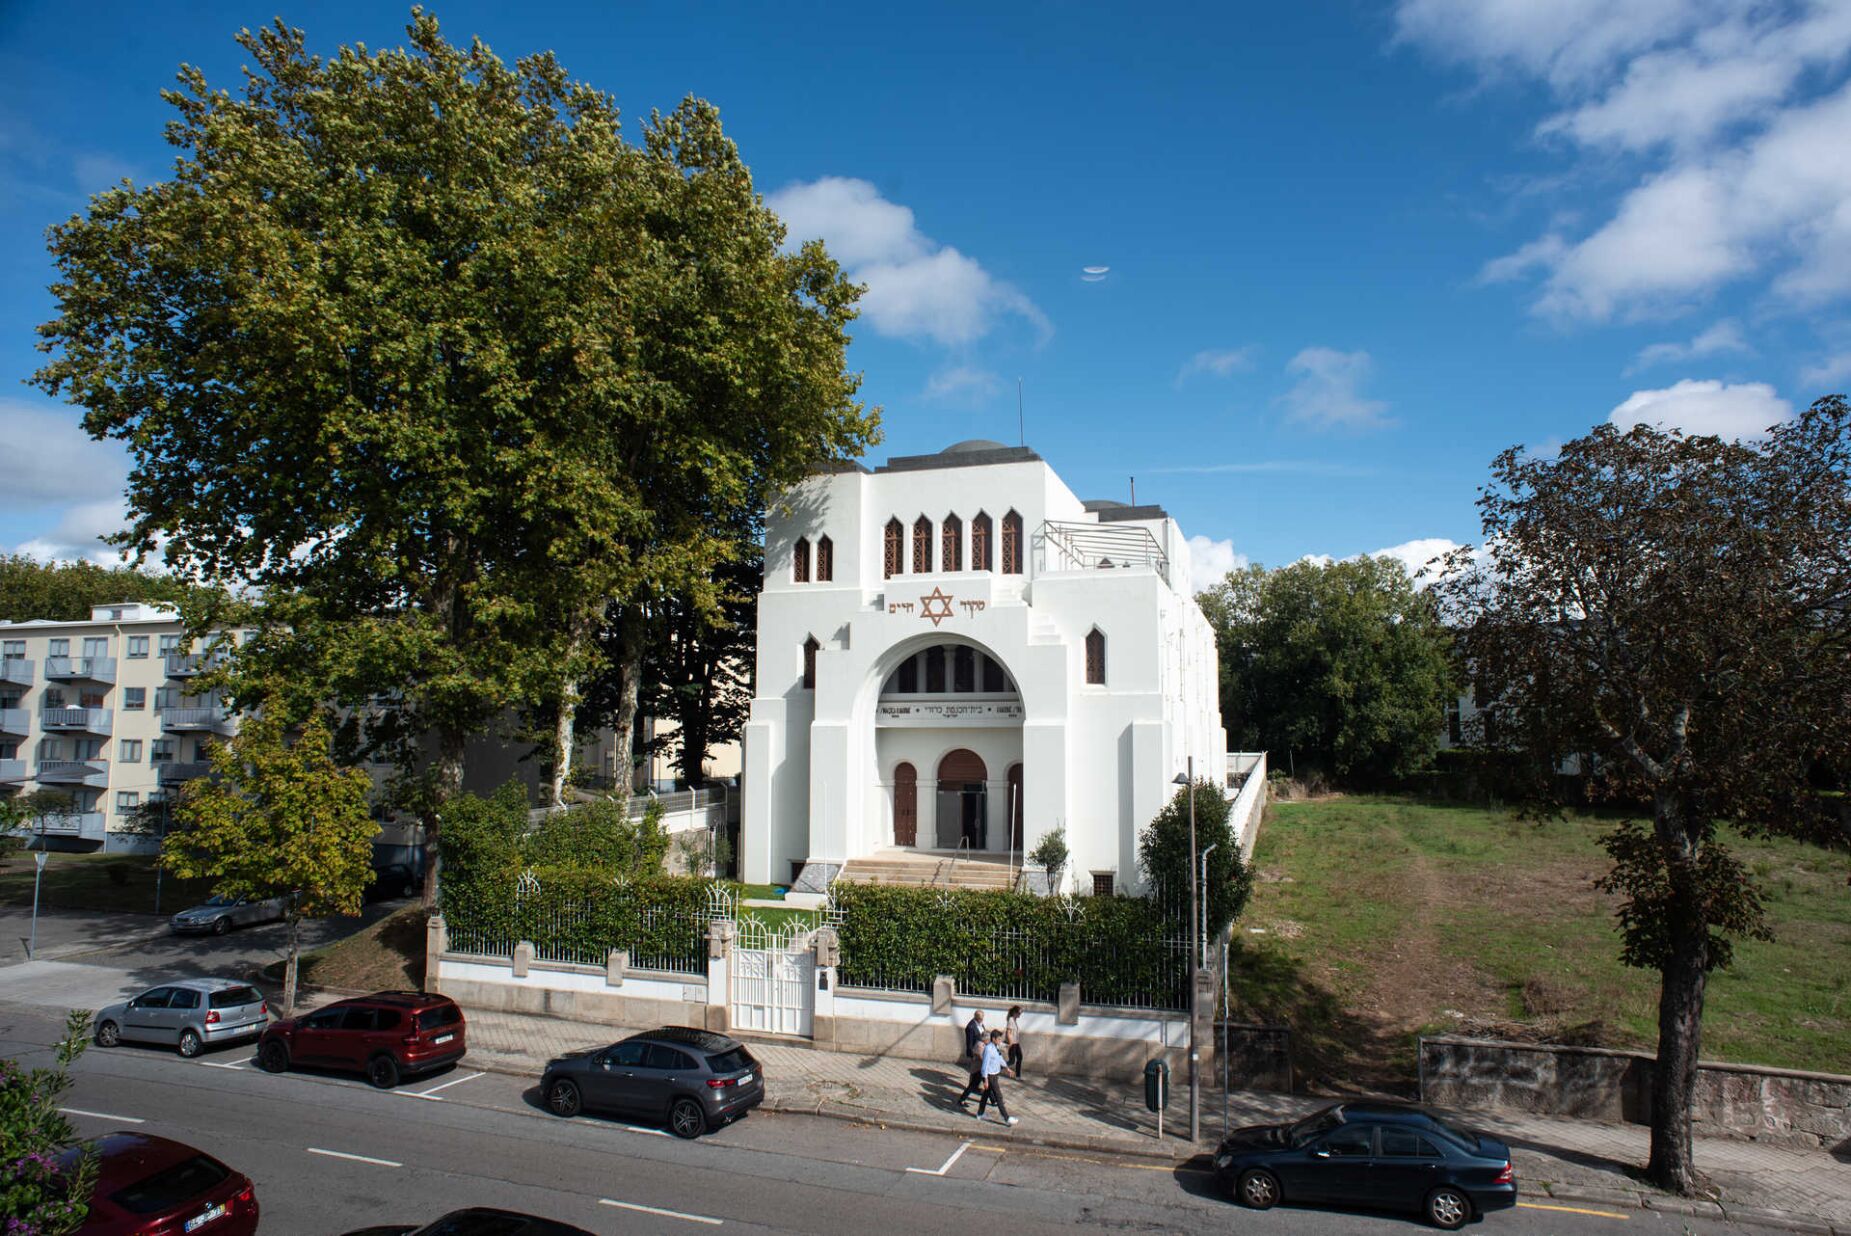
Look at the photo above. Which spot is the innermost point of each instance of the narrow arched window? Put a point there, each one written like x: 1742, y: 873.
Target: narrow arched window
x: 894, y: 535
x: 922, y: 545
x: 951, y: 544
x: 1012, y: 544
x: 1095, y: 657
x: 809, y: 663
x: 980, y: 542
x: 800, y: 560
x: 825, y: 560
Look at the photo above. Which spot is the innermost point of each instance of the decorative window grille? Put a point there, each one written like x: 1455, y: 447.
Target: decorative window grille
x: 951, y: 544
x: 825, y: 560
x: 922, y: 545
x: 894, y: 563
x: 1012, y: 544
x: 1095, y: 657
x: 809, y: 663
x: 800, y: 560
x: 980, y: 542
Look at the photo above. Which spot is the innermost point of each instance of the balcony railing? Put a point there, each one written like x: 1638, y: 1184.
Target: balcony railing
x: 213, y: 720
x: 74, y: 772
x: 175, y: 771
x: 82, y: 825
x: 76, y: 720
x: 84, y: 669
x: 15, y: 721
x: 12, y: 772
x: 1063, y: 546
x: 189, y: 664
x: 16, y: 672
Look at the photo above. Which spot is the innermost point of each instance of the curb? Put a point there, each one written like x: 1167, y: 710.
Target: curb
x: 1702, y: 1208
x: 823, y: 1108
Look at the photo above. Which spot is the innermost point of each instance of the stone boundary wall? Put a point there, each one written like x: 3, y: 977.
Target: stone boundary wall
x: 1784, y: 1106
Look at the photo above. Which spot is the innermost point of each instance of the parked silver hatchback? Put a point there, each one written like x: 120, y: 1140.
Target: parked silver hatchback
x: 191, y: 1014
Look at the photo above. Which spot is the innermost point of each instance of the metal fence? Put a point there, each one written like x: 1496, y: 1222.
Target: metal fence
x: 479, y: 943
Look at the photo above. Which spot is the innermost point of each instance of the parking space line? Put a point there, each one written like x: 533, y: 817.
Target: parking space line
x: 454, y: 1081
x: 220, y: 1064
x: 657, y: 1210
x: 946, y: 1165
x: 1575, y: 1210
x: 357, y: 1158
x: 78, y: 1111
x: 637, y: 1128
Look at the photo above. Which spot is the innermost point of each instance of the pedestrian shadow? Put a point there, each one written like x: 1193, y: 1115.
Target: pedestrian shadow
x: 939, y: 1088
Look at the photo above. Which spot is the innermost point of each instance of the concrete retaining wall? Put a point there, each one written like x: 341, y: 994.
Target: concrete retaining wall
x: 1733, y: 1100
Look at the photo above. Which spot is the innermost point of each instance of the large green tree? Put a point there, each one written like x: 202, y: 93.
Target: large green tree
x: 415, y: 341
x: 1680, y: 607
x: 1340, y: 666
x: 65, y: 591
x: 1165, y: 857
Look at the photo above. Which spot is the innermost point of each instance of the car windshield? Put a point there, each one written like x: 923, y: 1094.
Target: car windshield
x: 1313, y: 1126
x: 219, y: 899
x: 170, y: 1186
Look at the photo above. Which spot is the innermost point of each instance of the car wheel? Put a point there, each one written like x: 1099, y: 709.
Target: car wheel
x: 108, y: 1034
x: 190, y: 1043
x: 221, y: 924
x: 686, y: 1119
x: 273, y: 1057
x: 563, y: 1099
x: 1448, y: 1209
x: 382, y: 1071
x: 1258, y: 1190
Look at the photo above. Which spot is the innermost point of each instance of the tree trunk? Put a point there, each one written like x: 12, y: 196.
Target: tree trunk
x: 289, y: 966
x: 630, y: 638
x: 1682, y: 980
x: 563, y: 738
x: 694, y: 742
x: 447, y: 774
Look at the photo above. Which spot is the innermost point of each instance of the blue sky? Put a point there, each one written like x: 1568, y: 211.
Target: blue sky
x: 1352, y: 250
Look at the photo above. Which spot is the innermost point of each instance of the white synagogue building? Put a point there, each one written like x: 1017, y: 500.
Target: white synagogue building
x: 956, y: 656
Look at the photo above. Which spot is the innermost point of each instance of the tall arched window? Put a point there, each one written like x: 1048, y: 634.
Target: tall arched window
x: 922, y: 545
x: 951, y: 544
x: 1012, y: 544
x: 825, y: 560
x: 800, y: 560
x: 980, y: 542
x: 895, y: 564
x: 1095, y: 657
x: 809, y: 663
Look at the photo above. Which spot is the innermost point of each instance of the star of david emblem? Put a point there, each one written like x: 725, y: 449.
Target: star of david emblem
x: 937, y: 606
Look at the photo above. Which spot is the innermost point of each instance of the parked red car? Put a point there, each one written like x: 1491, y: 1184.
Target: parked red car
x: 151, y: 1186
x: 389, y: 1035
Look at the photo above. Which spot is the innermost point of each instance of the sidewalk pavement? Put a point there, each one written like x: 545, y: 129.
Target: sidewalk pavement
x: 1574, y: 1160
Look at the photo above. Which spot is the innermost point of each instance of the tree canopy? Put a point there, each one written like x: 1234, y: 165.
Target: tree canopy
x: 65, y: 591
x: 1340, y: 666
x: 1679, y: 607
x: 1163, y: 854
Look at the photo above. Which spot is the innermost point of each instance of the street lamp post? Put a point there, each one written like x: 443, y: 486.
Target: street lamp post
x: 1195, y: 1055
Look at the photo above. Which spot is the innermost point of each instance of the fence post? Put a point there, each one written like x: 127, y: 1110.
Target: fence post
x: 614, y: 965
x: 944, y: 993
x: 1068, y: 1011
x: 436, y: 944
x: 827, y: 949
x: 720, y: 933
x: 523, y: 958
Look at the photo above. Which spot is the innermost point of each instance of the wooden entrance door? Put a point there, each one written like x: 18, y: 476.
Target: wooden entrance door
x: 905, y: 805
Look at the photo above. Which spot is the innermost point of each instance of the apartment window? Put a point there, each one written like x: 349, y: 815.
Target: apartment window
x: 170, y: 644
x: 951, y: 544
x: 922, y: 545
x: 138, y: 647
x: 800, y: 560
x: 9, y: 750
x: 165, y: 697
x: 90, y: 699
x: 127, y: 801
x: 88, y: 749
x: 809, y: 662
x: 134, y: 699
x: 1095, y: 657
x: 129, y: 751
x: 13, y: 650
x: 60, y: 648
x: 980, y: 542
x: 825, y: 560
x: 96, y: 646
x: 895, y: 534
x: 1455, y: 723
x: 1102, y: 884
x: 51, y: 749
x: 1012, y: 544
x: 161, y: 751
x: 53, y: 698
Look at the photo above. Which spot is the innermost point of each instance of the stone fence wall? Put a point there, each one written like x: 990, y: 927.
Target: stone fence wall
x: 1733, y: 1100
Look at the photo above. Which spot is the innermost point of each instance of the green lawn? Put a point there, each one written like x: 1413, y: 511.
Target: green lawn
x: 1382, y: 918
x: 97, y: 882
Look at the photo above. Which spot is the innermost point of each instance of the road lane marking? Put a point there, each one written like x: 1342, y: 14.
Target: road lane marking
x: 455, y: 1081
x: 637, y: 1128
x: 1575, y: 1210
x: 357, y: 1158
x: 709, y: 1220
x: 78, y: 1111
x: 946, y: 1165
x: 1032, y: 1152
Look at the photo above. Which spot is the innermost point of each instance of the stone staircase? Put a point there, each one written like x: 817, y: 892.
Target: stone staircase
x: 927, y: 870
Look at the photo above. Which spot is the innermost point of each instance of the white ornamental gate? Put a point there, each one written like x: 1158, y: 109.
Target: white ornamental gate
x: 774, y: 979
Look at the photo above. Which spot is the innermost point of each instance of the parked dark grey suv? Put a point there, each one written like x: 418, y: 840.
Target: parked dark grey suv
x: 693, y: 1079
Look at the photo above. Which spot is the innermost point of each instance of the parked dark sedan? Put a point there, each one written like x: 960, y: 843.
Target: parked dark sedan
x: 1381, y: 1155
x: 480, y: 1221
x: 694, y: 1079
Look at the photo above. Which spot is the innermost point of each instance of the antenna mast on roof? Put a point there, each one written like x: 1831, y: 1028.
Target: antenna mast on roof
x: 1020, y: 438
x: 1134, y: 491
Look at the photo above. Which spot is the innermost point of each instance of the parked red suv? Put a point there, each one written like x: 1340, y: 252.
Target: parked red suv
x: 388, y: 1035
x: 150, y: 1186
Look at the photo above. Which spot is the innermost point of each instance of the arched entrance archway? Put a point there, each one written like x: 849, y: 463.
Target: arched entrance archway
x: 905, y: 805
x: 963, y: 800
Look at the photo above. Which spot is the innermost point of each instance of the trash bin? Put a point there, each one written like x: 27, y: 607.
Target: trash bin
x: 1157, y: 1085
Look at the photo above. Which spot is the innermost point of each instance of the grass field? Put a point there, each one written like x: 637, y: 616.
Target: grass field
x: 97, y: 882
x: 1375, y: 919
x: 386, y: 956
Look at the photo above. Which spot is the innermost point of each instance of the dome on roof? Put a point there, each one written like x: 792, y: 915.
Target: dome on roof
x: 972, y: 445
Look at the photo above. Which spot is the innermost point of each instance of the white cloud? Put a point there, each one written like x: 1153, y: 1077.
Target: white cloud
x: 1831, y: 371
x: 1707, y: 407
x: 1218, y: 362
x: 1728, y: 116
x: 917, y: 289
x: 1416, y: 555
x: 78, y: 535
x: 962, y: 384
x: 1328, y: 392
x: 50, y: 461
x: 1725, y: 336
x: 1210, y: 561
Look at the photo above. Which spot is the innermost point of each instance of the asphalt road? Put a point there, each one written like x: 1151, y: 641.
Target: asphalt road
x: 329, y: 1154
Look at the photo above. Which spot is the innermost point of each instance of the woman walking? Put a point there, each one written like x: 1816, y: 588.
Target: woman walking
x: 1012, y: 1035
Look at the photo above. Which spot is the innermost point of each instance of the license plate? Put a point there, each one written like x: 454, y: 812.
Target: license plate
x: 200, y: 1220
x: 747, y: 1079
x: 443, y: 1038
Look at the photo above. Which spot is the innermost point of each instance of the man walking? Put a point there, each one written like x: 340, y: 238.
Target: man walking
x: 993, y: 1070
x: 974, y: 1040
